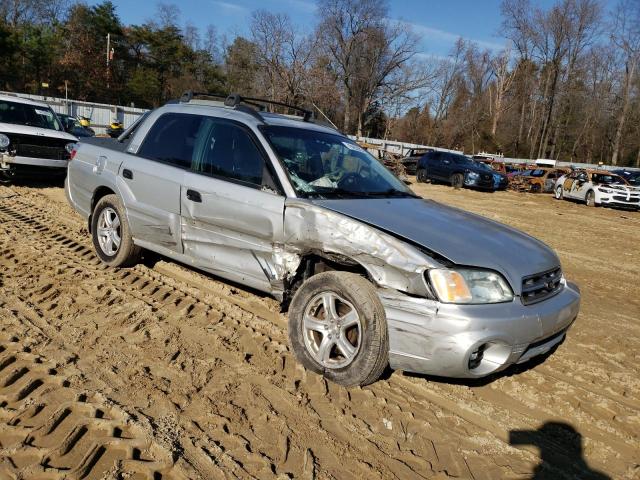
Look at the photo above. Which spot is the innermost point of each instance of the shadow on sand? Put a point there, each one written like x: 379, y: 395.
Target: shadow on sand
x: 560, y: 448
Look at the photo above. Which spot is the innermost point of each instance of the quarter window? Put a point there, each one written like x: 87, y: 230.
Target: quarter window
x: 227, y: 150
x: 172, y: 139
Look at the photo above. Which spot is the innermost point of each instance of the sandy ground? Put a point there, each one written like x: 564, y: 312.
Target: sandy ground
x: 161, y: 372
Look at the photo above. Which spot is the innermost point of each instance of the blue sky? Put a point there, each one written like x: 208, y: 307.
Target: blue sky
x: 438, y: 22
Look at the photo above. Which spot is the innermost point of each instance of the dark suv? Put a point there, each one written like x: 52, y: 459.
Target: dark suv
x: 455, y: 169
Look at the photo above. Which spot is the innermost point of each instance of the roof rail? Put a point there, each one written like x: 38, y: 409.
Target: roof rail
x: 238, y: 102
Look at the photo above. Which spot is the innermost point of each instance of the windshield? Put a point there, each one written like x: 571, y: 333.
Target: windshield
x: 483, y: 166
x: 329, y: 165
x: 31, y: 115
x: 607, y: 179
x: 538, y: 172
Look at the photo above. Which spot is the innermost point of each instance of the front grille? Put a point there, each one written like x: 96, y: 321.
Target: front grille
x: 541, y: 286
x: 38, y: 147
x: 39, y: 151
x: 620, y: 198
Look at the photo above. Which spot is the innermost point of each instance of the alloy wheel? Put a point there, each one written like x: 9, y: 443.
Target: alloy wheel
x: 109, y: 236
x: 332, y: 330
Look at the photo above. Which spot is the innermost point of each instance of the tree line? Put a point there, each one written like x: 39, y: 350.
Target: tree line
x: 566, y: 85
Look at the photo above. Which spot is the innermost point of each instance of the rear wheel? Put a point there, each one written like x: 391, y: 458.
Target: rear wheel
x: 338, y: 328
x: 111, y: 234
x: 590, y: 199
x: 421, y: 175
x: 535, y: 188
x: 457, y: 180
x: 559, y: 195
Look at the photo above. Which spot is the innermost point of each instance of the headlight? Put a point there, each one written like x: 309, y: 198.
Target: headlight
x: 466, y: 285
x: 4, y: 141
x: 69, y: 147
x: 472, y: 175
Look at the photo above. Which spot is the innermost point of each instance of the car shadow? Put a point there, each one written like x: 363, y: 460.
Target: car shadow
x: 46, y: 180
x: 150, y: 259
x: 560, y: 446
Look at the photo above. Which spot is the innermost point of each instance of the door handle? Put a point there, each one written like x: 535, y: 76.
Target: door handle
x: 194, y: 196
x: 126, y: 173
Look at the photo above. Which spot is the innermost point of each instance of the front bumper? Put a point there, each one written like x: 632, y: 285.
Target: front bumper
x: 7, y: 161
x: 479, y: 183
x: 619, y: 199
x: 429, y: 337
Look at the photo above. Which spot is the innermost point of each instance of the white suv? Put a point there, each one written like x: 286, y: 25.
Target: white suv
x: 32, y: 139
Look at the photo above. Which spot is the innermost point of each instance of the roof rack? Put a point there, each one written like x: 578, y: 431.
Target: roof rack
x: 241, y: 103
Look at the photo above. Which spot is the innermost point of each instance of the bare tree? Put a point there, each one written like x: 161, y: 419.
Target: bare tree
x: 365, y: 50
x: 283, y: 55
x: 503, y: 80
x: 626, y: 36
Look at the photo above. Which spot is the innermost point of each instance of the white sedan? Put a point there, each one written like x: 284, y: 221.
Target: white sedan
x: 597, y: 187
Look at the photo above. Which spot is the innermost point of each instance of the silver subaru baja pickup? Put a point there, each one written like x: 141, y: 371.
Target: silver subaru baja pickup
x: 372, y: 275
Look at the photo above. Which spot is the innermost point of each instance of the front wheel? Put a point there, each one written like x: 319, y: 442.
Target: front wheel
x: 590, y: 199
x: 457, y: 180
x: 559, y: 195
x: 111, y: 234
x: 338, y: 328
x: 421, y: 175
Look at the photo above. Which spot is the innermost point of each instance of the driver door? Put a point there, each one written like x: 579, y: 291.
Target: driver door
x: 580, y: 186
x: 232, y: 211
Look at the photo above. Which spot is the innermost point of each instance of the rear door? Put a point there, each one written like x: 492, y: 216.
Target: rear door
x: 232, y: 209
x: 152, y: 178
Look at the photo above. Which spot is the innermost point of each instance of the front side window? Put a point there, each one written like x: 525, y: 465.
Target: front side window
x: 30, y: 115
x: 227, y: 150
x: 172, y: 138
x: 329, y: 165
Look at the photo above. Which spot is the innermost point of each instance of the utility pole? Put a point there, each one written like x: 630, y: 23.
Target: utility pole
x: 108, y: 55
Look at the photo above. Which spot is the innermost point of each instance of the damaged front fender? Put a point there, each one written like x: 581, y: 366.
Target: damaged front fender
x: 389, y: 261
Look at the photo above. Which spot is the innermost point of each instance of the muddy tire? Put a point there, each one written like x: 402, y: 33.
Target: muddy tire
x: 338, y: 328
x: 457, y: 180
x: 558, y: 194
x: 535, y: 188
x: 590, y: 199
x: 111, y: 234
x: 421, y: 175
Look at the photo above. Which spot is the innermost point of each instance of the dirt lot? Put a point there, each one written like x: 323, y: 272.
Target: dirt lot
x: 160, y: 372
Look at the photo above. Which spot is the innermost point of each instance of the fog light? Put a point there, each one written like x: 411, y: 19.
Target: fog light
x: 476, y: 356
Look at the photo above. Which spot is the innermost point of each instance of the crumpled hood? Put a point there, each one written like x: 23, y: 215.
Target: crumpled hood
x: 36, y: 131
x: 462, y: 237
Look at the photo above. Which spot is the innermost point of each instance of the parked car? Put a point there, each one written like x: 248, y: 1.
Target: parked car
x: 538, y: 180
x: 597, y: 187
x: 73, y: 126
x: 631, y: 176
x: 500, y: 180
x: 371, y: 274
x: 410, y: 160
x: 32, y: 139
x: 455, y: 169
x: 496, y: 165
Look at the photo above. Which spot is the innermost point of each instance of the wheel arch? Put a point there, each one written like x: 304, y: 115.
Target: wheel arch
x: 313, y: 263
x: 98, y: 193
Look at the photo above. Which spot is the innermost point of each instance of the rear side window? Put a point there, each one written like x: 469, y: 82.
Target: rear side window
x: 227, y: 150
x: 172, y: 139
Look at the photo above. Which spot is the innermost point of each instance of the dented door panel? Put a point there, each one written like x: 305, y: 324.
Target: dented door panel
x: 232, y: 230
